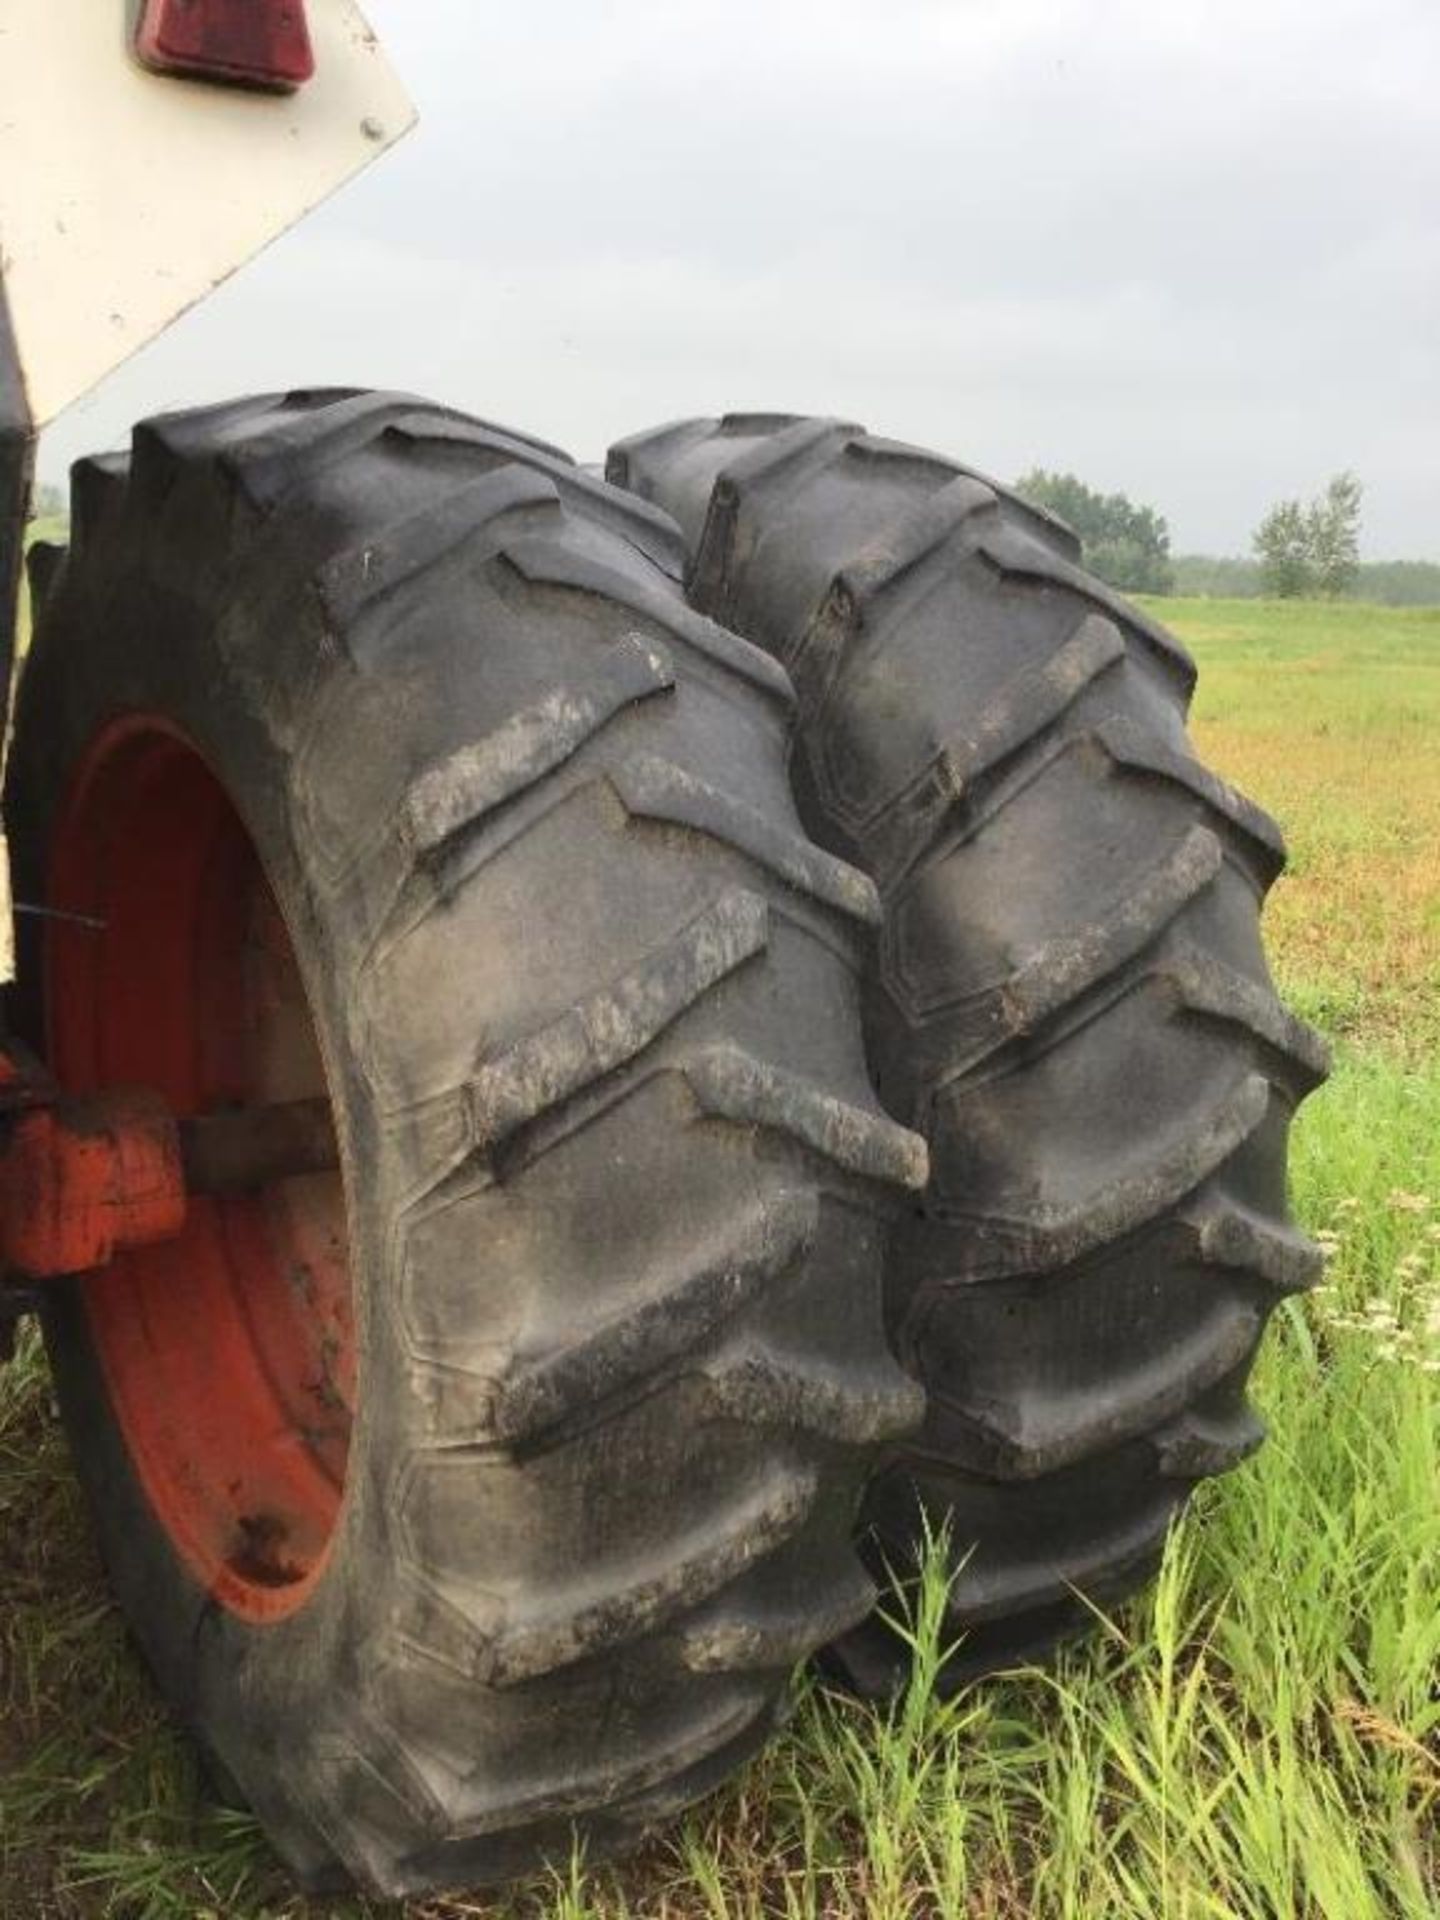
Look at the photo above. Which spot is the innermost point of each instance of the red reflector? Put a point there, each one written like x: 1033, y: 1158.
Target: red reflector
x: 249, y: 43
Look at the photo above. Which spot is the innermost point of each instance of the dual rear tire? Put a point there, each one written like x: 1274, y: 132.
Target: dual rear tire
x: 488, y: 1490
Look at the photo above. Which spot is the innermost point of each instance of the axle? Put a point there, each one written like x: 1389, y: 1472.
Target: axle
x: 82, y: 1179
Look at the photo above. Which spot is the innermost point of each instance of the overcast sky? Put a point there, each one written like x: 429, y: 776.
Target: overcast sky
x: 1189, y: 249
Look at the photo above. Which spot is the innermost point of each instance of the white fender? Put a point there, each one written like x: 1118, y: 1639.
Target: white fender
x: 126, y: 197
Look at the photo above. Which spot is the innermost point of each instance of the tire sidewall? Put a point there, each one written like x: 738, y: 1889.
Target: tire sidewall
x: 141, y: 648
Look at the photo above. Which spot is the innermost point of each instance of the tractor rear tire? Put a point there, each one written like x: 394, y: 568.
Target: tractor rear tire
x: 1069, y: 999
x: 488, y: 1499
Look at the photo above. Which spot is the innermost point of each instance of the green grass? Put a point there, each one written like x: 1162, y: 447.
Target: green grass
x: 1256, y: 1737
x: 1329, y: 715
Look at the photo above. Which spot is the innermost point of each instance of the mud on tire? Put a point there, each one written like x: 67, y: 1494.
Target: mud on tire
x: 1068, y: 997
x: 587, y: 1001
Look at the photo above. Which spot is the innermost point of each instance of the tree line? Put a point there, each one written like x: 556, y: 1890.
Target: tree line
x: 1301, y: 549
x: 1386, y: 583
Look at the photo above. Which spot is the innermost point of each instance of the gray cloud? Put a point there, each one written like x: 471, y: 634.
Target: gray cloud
x: 1189, y: 251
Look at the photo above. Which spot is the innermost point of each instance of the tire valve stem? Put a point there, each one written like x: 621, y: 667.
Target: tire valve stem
x: 88, y: 920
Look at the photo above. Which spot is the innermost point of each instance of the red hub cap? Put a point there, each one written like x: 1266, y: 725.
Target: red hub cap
x: 229, y: 1352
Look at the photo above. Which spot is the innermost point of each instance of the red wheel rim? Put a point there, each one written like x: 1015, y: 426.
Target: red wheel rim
x: 229, y: 1354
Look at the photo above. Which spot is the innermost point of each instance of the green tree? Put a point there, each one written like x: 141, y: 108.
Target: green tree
x: 1314, y: 548
x: 1282, y: 545
x: 1128, y: 546
x: 1334, y: 524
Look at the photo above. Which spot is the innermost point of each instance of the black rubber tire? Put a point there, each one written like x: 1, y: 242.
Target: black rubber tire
x: 615, y: 1172
x: 1069, y: 999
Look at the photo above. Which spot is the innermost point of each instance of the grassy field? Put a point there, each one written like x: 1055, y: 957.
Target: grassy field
x: 1257, y: 1737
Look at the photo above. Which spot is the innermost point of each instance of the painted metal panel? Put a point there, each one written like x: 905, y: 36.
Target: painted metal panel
x: 125, y: 196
